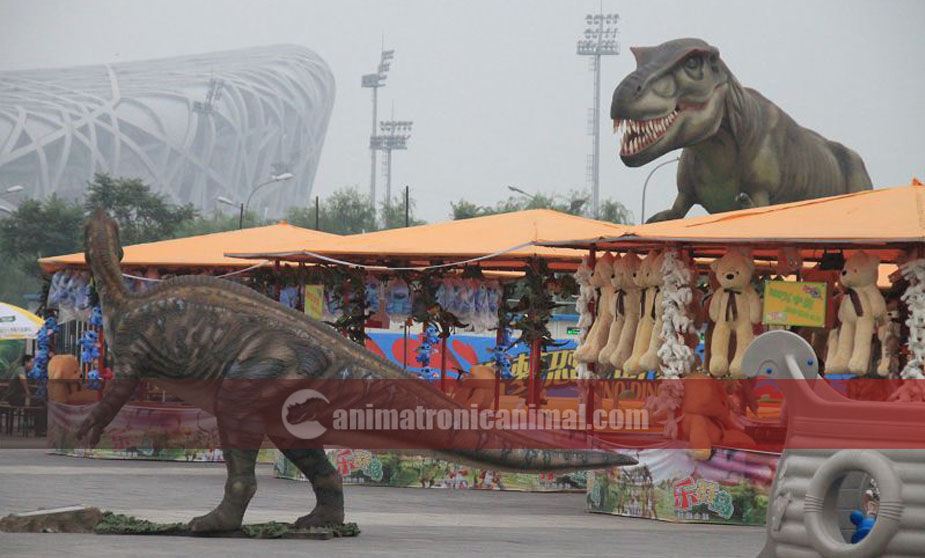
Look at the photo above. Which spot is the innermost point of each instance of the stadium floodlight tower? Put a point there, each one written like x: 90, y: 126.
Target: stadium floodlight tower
x: 374, y: 82
x: 600, y: 39
x: 394, y: 135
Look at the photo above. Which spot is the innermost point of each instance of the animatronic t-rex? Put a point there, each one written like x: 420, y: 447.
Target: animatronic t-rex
x: 217, y: 340
x: 740, y: 150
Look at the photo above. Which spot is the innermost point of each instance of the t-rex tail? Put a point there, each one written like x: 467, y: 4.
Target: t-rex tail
x: 103, y: 254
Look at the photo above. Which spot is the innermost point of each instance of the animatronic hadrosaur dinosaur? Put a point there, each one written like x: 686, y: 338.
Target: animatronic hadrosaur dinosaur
x: 740, y: 150
x: 210, y: 332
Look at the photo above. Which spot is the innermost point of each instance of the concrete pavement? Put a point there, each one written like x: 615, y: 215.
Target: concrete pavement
x: 394, y: 521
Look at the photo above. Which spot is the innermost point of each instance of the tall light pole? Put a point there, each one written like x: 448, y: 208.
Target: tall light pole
x: 600, y: 39
x: 243, y: 207
x: 374, y: 82
x: 642, y: 214
x: 394, y: 134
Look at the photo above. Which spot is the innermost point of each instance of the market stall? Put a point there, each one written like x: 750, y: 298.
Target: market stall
x: 825, y: 268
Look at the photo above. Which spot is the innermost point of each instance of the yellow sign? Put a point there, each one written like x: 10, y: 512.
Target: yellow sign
x: 314, y: 301
x: 794, y: 303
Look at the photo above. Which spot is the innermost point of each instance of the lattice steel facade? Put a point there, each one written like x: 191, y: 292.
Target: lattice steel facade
x: 193, y: 127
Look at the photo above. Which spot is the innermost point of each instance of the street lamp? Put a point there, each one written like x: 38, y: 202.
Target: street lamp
x: 243, y: 207
x: 517, y: 190
x: 642, y: 214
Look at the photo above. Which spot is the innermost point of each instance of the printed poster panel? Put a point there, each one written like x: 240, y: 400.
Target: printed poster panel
x: 794, y: 303
x: 732, y: 487
x: 314, y: 301
x: 385, y: 468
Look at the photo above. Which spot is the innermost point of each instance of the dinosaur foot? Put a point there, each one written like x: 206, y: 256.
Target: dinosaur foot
x: 222, y: 518
x: 321, y: 517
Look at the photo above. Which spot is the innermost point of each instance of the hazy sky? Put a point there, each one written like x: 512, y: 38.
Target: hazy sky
x: 496, y: 92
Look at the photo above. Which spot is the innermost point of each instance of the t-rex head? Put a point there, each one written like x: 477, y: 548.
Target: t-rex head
x: 673, y: 99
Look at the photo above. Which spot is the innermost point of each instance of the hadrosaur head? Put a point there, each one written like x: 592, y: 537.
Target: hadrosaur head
x: 673, y: 99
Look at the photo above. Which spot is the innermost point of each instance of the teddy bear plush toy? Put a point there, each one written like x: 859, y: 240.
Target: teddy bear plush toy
x: 706, y: 419
x: 647, y: 280
x: 621, y: 306
x: 626, y: 312
x: 862, y: 309
x: 649, y: 360
x: 600, y: 329
x: 734, y: 309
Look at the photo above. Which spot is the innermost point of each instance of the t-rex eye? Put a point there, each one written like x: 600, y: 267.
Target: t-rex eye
x: 693, y: 62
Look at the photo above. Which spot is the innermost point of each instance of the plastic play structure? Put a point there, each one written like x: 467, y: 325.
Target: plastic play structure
x: 815, y: 490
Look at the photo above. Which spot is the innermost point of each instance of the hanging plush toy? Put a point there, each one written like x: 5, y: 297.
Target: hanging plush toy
x: 890, y: 336
x: 735, y: 308
x: 398, y: 299
x: 625, y: 311
x: 586, y: 295
x: 649, y: 360
x: 914, y: 298
x: 597, y: 337
x: 648, y: 277
x: 862, y: 309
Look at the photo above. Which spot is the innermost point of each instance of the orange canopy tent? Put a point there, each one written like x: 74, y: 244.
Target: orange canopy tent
x: 206, y: 250
x: 887, y: 221
x: 500, y: 241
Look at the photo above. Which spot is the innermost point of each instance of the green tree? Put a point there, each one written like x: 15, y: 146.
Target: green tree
x: 346, y: 211
x: 393, y: 214
x: 576, y: 202
x: 215, y: 223
x: 36, y: 229
x: 143, y: 215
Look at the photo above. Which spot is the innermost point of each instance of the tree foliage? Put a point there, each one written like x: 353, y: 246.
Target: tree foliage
x: 576, y: 202
x: 393, y: 214
x: 143, y: 215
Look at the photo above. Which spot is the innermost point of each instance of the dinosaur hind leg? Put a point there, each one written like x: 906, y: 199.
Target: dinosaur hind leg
x: 239, y: 489
x: 242, y: 429
x: 326, y: 484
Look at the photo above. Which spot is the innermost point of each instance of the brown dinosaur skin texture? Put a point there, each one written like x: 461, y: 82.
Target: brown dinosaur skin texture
x: 740, y: 150
x: 216, y: 332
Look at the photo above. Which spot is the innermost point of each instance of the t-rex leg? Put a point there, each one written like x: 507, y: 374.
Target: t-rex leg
x: 326, y: 484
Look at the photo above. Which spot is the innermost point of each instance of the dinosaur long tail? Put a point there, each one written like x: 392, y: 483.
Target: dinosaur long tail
x: 488, y: 444
x: 103, y: 252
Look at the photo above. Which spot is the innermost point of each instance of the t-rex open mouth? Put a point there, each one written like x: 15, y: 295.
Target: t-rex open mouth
x: 640, y: 134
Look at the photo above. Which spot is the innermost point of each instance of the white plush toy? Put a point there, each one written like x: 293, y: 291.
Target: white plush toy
x: 734, y: 309
x: 861, y: 310
x: 647, y: 279
x: 597, y: 337
x: 625, y: 312
x: 586, y: 295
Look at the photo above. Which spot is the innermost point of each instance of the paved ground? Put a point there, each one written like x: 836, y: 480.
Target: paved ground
x: 395, y: 522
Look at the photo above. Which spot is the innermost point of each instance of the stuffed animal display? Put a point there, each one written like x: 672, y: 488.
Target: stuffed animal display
x: 862, y: 309
x: 625, y: 310
x: 734, y: 309
x: 600, y: 330
x: 706, y: 420
x: 648, y: 277
x: 889, y: 334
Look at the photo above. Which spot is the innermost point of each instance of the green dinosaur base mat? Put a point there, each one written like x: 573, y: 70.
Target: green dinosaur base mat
x: 92, y: 520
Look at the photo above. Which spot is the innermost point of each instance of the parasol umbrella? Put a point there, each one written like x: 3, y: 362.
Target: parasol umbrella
x: 17, y: 323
